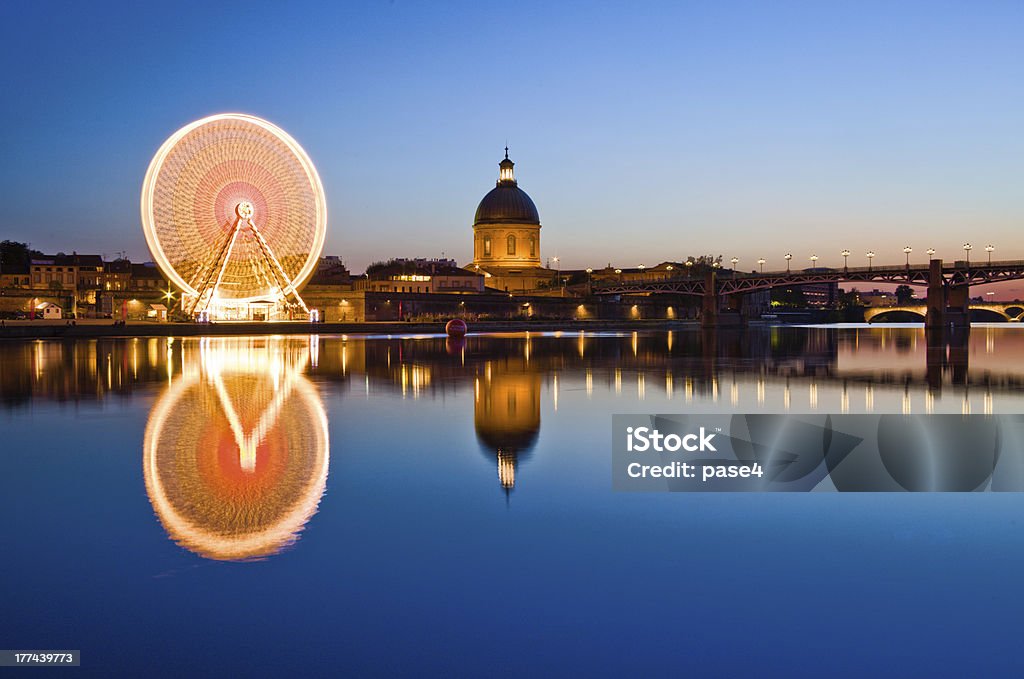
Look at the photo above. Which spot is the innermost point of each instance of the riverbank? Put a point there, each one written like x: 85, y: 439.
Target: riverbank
x: 103, y: 329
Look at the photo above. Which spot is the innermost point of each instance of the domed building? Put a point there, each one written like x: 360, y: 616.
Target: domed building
x: 506, y: 236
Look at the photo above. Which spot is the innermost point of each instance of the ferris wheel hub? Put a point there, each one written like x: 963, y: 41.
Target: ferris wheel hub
x: 244, y: 209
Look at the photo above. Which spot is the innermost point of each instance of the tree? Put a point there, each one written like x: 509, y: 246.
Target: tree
x: 848, y: 298
x: 13, y: 253
x: 904, y: 294
x: 789, y: 297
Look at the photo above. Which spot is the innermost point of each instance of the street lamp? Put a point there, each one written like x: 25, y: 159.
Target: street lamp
x: 967, y: 249
x: 590, y: 270
x: 907, y: 250
x: 931, y: 253
x: 788, y: 256
x: 814, y: 261
x: 846, y: 256
x: 989, y: 249
x: 641, y: 267
x: 871, y: 255
x: 761, y: 263
x: 689, y: 263
x: 734, y: 260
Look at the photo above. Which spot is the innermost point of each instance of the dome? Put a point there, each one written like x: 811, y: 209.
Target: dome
x: 506, y: 204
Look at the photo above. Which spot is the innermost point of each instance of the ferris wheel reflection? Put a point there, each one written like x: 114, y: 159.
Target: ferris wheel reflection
x: 236, y: 450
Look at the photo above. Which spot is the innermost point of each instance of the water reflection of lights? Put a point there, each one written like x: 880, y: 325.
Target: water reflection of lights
x: 236, y: 450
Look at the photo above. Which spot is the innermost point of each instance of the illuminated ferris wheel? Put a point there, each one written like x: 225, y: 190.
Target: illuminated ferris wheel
x: 235, y: 216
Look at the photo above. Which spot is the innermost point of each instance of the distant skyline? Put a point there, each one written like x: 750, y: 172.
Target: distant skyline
x: 642, y: 132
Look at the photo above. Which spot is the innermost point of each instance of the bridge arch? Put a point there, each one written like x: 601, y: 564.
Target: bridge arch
x: 908, y: 314
x: 988, y: 316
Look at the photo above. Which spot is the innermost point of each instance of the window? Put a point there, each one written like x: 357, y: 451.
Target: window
x: 511, y: 245
x: 533, y: 246
x: 487, y: 246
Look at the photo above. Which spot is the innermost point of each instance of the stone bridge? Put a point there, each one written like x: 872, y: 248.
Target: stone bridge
x: 981, y: 312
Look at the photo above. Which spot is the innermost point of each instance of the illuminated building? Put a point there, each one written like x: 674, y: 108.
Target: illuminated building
x: 506, y: 236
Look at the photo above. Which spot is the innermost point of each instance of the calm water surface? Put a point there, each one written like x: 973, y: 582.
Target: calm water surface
x: 415, y: 505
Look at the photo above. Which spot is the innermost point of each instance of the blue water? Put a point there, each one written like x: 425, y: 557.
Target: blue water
x: 417, y: 561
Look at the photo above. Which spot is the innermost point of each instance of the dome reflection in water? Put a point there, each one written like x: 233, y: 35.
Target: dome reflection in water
x: 506, y: 415
x: 236, y: 450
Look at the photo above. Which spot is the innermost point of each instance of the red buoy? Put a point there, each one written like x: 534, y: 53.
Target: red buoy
x: 456, y: 327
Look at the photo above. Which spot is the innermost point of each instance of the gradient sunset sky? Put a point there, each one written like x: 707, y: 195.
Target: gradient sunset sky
x: 643, y: 131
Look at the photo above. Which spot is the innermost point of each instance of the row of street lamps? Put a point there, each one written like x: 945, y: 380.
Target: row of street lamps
x: 871, y: 255
x: 814, y: 259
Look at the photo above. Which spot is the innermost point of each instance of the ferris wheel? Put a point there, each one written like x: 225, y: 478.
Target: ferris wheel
x: 235, y: 216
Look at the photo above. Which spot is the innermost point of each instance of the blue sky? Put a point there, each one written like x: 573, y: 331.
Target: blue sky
x: 643, y: 131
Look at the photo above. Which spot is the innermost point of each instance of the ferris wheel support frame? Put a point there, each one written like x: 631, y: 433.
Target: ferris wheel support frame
x: 245, y: 212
